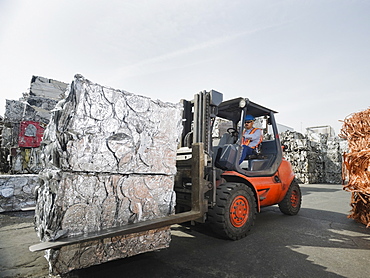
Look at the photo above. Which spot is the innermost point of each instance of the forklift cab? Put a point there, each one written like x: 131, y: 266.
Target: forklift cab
x: 227, y: 150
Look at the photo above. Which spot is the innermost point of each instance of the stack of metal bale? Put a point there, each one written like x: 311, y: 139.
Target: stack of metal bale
x: 42, y: 97
x: 333, y: 152
x: 303, y: 155
x: 110, y: 160
x: 356, y: 130
x: 24, y: 123
x: 17, y: 192
x: 21, y: 134
x: 315, y: 158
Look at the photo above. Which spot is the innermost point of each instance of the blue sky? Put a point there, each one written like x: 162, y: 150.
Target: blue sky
x: 309, y: 60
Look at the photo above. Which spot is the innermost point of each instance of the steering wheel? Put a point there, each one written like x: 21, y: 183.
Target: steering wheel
x: 232, y: 131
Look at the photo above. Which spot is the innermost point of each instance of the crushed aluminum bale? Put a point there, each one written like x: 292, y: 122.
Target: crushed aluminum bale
x: 14, y: 111
x: 17, y: 192
x: 100, y: 129
x: 109, y: 160
x: 87, y: 202
x: 46, y: 88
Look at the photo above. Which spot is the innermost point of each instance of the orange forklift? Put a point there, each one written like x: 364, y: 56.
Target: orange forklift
x: 233, y: 192
x: 210, y: 184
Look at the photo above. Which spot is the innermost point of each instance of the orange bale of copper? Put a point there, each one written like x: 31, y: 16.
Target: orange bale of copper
x: 356, y: 164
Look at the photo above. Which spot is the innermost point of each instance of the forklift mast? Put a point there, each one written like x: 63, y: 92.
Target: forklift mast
x: 198, y: 119
x: 196, y: 145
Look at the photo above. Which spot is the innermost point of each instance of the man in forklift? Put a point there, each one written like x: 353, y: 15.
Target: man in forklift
x: 252, y: 137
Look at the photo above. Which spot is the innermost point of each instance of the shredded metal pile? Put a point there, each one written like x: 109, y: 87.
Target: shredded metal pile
x: 109, y: 160
x: 356, y: 130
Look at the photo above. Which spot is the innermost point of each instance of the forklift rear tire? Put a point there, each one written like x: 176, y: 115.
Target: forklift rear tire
x: 234, y: 212
x: 291, y: 204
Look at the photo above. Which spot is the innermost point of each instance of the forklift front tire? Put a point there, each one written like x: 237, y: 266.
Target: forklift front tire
x: 235, y: 211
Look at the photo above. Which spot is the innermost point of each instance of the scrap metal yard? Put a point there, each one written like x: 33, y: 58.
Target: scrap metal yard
x: 113, y: 163
x: 319, y: 242
x: 184, y: 139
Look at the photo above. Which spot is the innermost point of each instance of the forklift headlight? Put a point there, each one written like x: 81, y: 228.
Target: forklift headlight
x: 242, y: 103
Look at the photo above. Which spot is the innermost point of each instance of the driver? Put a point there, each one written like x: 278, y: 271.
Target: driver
x: 252, y: 137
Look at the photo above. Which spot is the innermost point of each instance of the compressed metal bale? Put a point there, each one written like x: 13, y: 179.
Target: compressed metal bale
x: 14, y: 111
x: 99, y: 129
x: 17, y: 192
x: 47, y: 88
x: 42, y: 97
x: 10, y: 135
x: 26, y: 161
x: 38, y: 114
x: 5, y: 165
x: 42, y: 102
x: 109, y: 200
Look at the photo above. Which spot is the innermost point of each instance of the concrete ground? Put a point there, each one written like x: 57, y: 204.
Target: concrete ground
x: 319, y: 242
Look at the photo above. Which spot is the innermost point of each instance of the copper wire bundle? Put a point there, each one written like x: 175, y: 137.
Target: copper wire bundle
x: 356, y: 168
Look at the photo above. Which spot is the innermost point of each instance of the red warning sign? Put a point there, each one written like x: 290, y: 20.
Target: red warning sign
x: 30, y: 134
